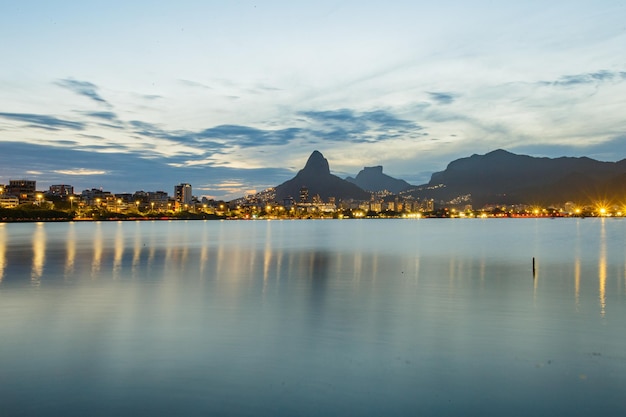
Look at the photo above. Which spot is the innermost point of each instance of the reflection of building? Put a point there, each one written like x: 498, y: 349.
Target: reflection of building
x: 24, y: 190
x: 61, y: 190
x: 182, y: 193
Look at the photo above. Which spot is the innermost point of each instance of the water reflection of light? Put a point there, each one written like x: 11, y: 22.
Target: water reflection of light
x: 602, y: 270
x: 267, y: 261
x: 39, y: 253
x: 267, y: 255
x: 70, y: 249
x: 358, y: 266
x: 97, y: 249
x: 483, y: 266
x: 118, y: 250
x: 137, y: 247
x: 204, y: 252
x: 3, y: 250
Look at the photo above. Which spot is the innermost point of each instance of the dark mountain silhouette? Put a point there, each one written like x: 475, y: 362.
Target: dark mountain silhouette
x: 501, y: 177
x: 373, y: 179
x: 316, y: 177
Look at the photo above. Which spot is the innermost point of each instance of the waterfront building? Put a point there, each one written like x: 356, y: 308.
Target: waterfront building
x: 97, y: 197
x: 24, y: 190
x: 8, y: 201
x: 158, y: 199
x: 182, y: 194
x: 62, y: 190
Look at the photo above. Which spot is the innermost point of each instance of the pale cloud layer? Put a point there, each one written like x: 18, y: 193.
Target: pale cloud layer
x: 234, y: 96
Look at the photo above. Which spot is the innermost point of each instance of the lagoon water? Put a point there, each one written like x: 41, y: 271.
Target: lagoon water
x: 314, y: 318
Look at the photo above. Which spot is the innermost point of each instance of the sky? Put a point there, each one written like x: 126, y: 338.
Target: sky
x: 233, y: 96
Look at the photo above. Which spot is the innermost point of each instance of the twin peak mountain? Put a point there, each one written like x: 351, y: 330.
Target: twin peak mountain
x: 316, y: 177
x: 498, y: 177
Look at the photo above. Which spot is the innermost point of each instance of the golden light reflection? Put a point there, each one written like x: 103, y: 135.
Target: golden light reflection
x: 97, y: 250
x: 137, y: 247
x: 3, y: 250
x: 39, y: 254
x: 70, y: 249
x: 451, y: 270
x: 267, y: 262
x: 358, y: 265
x: 482, y: 270
x: 221, y: 256
x: 204, y: 254
x: 267, y: 254
x: 417, y: 270
x: 602, y: 266
x: 118, y: 250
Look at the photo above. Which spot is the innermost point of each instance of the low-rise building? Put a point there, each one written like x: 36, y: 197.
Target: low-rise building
x: 8, y: 201
x: 24, y: 190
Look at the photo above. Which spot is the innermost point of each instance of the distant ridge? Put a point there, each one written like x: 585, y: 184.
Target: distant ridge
x: 373, y: 179
x: 316, y: 177
x: 502, y: 177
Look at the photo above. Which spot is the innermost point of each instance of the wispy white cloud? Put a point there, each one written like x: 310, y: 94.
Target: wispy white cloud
x: 81, y: 171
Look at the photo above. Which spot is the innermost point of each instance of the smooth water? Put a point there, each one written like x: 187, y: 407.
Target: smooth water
x: 313, y: 318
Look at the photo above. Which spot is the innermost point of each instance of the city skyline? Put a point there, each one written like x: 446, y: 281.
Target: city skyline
x: 233, y: 97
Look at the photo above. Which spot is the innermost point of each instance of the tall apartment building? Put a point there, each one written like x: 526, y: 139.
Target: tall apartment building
x: 304, y: 195
x: 182, y: 193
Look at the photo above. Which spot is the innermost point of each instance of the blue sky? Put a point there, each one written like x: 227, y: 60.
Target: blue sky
x: 234, y: 96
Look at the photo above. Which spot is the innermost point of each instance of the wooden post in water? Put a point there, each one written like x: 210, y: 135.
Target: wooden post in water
x: 534, y: 270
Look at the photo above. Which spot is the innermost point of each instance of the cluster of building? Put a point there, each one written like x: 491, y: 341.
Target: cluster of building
x: 264, y: 204
x: 19, y: 192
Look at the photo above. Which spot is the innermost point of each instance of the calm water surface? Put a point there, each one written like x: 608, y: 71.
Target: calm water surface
x: 313, y: 318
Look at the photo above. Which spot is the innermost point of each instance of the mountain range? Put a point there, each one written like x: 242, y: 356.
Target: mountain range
x: 502, y: 177
x: 372, y: 179
x: 498, y: 177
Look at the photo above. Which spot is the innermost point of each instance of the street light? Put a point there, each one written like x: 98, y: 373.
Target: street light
x: 71, y: 203
x: 39, y: 197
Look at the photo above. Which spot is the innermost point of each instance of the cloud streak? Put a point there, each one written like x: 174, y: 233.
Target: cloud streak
x: 83, y: 88
x: 346, y: 125
x: 443, y: 98
x: 244, y: 136
x: 43, y: 121
x: 597, y: 77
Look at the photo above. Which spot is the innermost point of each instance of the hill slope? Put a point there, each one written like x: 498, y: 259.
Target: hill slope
x: 316, y: 177
x: 373, y: 179
x: 501, y: 177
